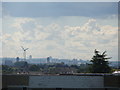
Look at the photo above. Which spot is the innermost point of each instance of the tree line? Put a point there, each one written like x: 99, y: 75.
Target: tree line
x: 99, y: 64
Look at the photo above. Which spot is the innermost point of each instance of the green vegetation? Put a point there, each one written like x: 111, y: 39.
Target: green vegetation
x: 34, y: 68
x: 84, y: 68
x: 7, y: 69
x: 100, y: 63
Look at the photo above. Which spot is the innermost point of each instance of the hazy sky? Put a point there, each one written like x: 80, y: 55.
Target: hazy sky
x: 61, y: 30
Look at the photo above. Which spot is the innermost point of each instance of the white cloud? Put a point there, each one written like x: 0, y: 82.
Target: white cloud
x: 62, y: 41
x: 41, y: 35
x: 18, y: 22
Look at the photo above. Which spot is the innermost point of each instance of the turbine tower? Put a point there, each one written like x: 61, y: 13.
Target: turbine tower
x: 24, y: 53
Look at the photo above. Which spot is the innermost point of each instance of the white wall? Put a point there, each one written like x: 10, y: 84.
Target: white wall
x: 66, y: 82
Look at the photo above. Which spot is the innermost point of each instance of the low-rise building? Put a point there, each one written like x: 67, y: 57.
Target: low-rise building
x: 61, y: 82
x: 8, y: 63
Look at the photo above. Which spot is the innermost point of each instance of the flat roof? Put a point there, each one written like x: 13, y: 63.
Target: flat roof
x: 80, y: 74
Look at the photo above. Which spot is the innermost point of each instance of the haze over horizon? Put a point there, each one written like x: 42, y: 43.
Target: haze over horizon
x: 61, y: 30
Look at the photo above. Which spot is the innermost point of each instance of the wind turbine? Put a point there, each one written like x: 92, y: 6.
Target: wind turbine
x: 24, y: 53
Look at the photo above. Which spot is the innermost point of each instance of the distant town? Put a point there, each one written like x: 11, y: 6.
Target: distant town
x: 48, y: 65
x: 10, y: 61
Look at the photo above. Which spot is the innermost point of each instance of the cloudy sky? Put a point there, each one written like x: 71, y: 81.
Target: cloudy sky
x: 61, y: 30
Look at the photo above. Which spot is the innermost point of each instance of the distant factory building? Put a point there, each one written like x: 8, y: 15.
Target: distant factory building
x: 75, y: 62
x: 49, y: 59
x: 17, y: 59
x: 8, y: 63
x: 30, y: 57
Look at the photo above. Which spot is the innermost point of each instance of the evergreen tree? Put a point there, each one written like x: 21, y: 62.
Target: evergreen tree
x: 100, y: 63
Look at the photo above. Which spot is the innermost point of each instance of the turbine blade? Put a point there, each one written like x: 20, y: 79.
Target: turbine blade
x: 22, y: 47
x: 26, y: 49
